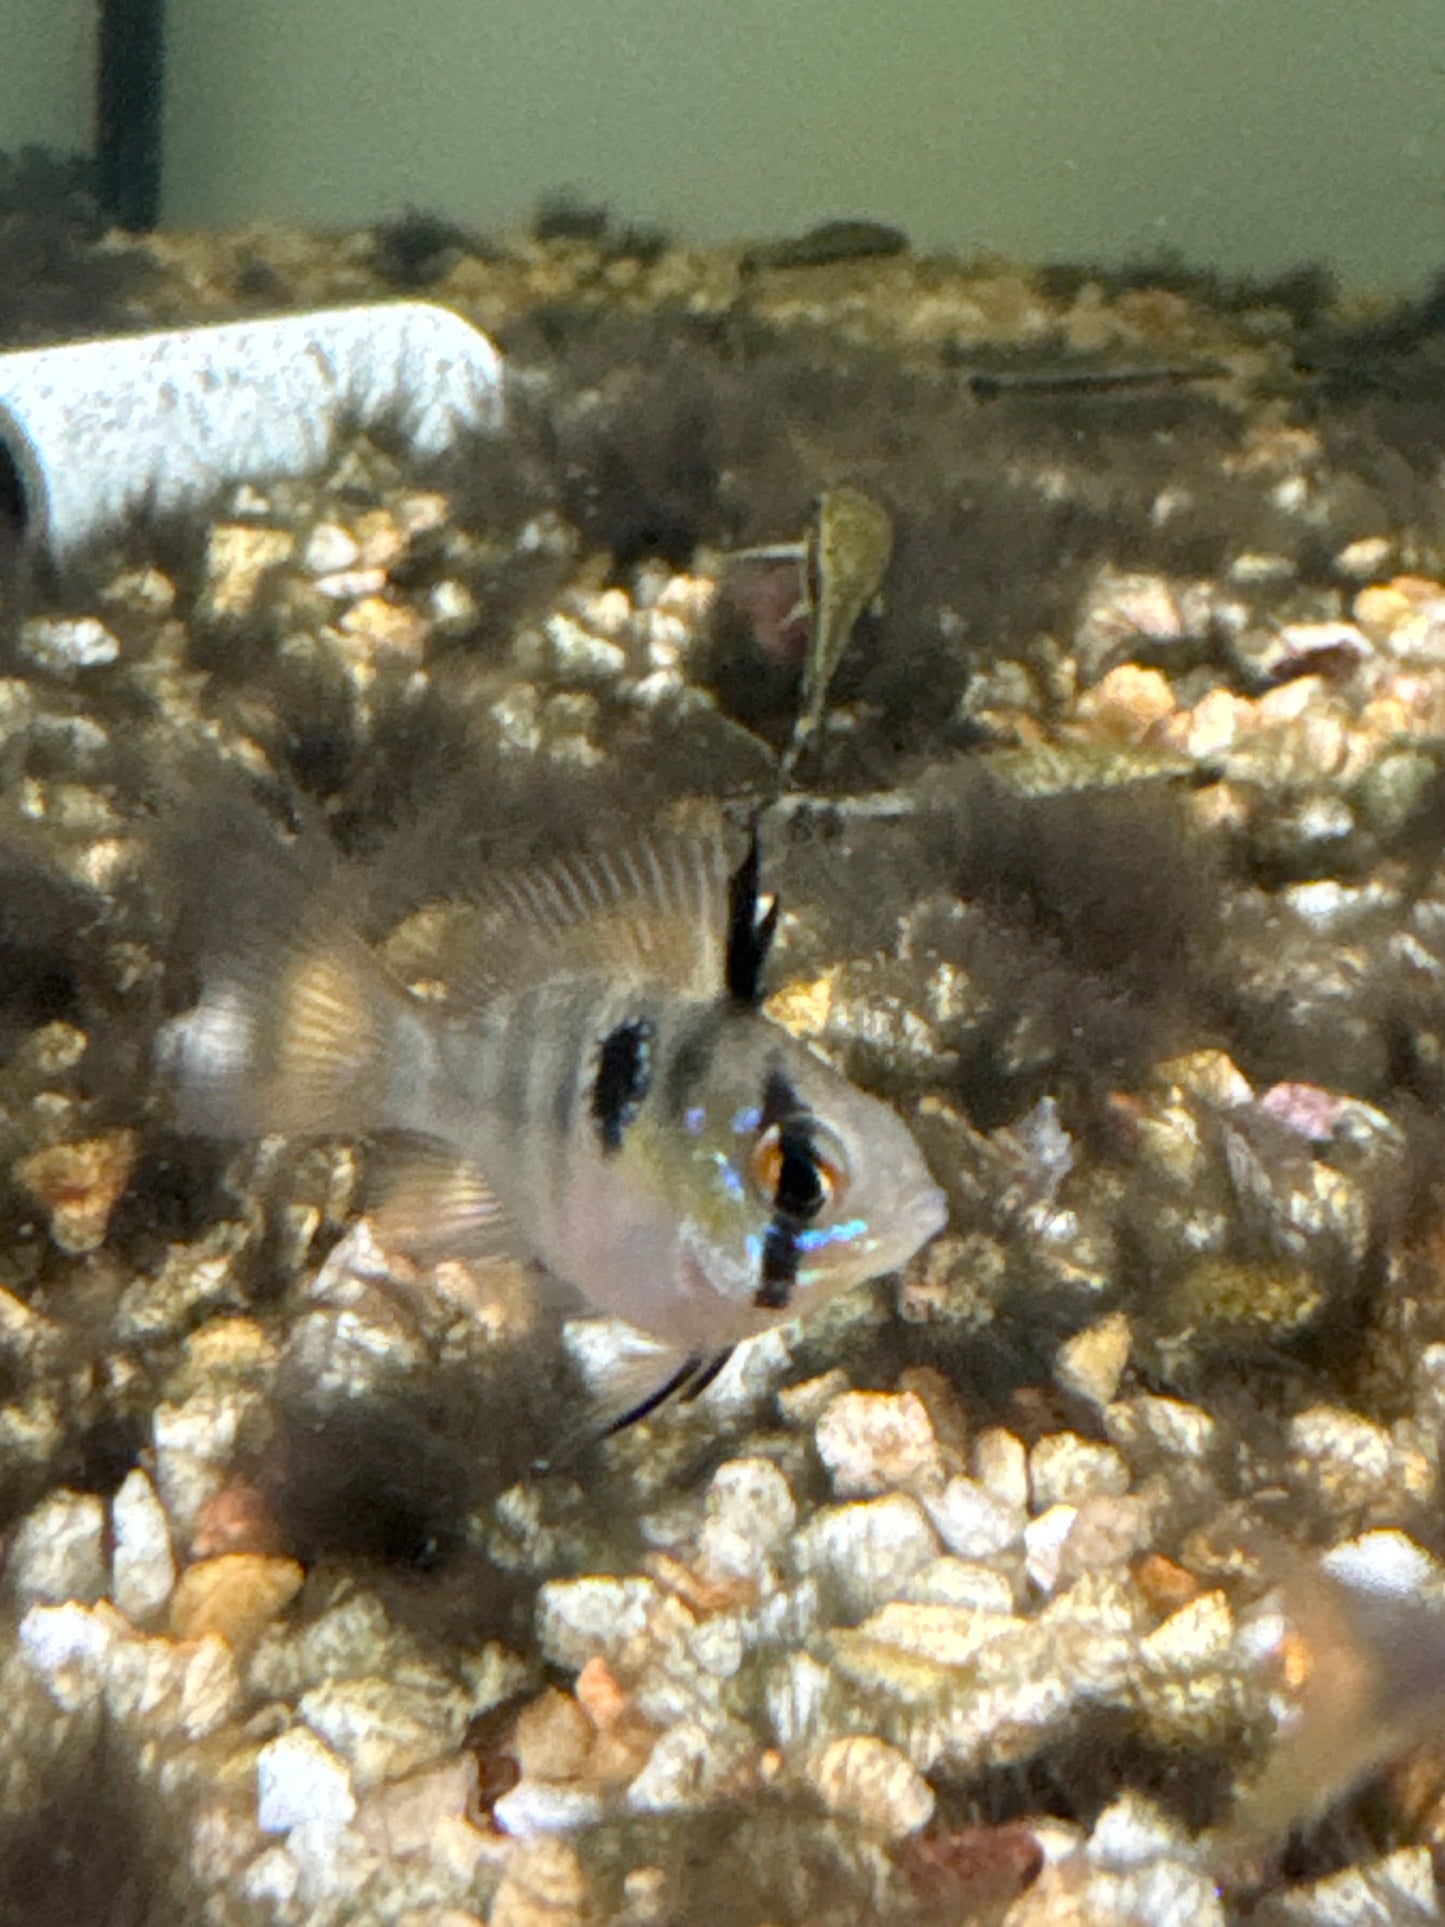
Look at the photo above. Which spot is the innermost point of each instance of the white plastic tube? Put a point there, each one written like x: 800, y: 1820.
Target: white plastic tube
x: 95, y: 430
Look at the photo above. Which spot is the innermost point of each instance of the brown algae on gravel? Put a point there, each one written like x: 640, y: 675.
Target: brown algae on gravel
x: 1060, y: 1576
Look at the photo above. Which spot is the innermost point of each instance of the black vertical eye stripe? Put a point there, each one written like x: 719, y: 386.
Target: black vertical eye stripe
x: 800, y: 1193
x: 779, y: 1269
x: 781, y: 1102
x: 624, y: 1077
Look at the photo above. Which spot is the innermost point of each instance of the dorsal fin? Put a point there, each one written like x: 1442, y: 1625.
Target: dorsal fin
x: 651, y: 910
x: 751, y: 927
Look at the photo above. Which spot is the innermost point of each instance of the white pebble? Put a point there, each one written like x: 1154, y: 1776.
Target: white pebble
x: 577, y: 1618
x: 1092, y: 1363
x: 961, y: 1582
x: 58, y: 1551
x: 298, y: 1779
x: 1382, y: 1562
x: 81, y: 642
x: 750, y: 1510
x: 329, y: 549
x: 67, y: 1646
x: 1044, y: 1539
x: 546, y: 1806
x: 868, y: 1780
x: 972, y: 1522
x: 193, y: 1446
x: 689, y: 1764
x: 876, y: 1442
x: 796, y: 1696
x: 868, y: 1550
x: 1065, y: 1469
x: 142, y: 1566
x: 1001, y: 1465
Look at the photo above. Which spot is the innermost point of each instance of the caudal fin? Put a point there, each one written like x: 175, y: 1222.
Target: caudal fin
x: 293, y: 1029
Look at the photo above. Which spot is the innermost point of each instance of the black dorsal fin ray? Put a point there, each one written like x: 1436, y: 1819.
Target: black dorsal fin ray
x: 751, y: 927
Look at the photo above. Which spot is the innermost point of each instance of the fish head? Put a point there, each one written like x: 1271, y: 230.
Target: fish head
x: 799, y: 1184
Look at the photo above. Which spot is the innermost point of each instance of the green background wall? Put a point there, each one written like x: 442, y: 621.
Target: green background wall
x: 1247, y: 133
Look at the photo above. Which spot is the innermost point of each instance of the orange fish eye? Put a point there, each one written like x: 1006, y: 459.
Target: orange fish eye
x: 798, y: 1169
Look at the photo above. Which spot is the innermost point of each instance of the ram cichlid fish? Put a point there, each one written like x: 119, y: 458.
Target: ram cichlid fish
x: 589, y: 1085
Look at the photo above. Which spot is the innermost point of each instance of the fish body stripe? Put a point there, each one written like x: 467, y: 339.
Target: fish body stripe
x: 690, y: 1055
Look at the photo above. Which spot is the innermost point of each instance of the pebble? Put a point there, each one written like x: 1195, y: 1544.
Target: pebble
x: 973, y: 1522
x: 1000, y: 1464
x: 329, y: 549
x: 79, y: 1186
x: 67, y: 1646
x: 353, y: 1638
x: 1109, y: 1528
x: 961, y: 1582
x: 1172, y: 1427
x: 1354, y: 1465
x: 1091, y: 1363
x: 1065, y: 1469
x: 298, y: 1779
x: 543, y: 1886
x: 796, y: 1698
x: 577, y: 653
x: 866, y: 1551
x: 538, y: 1807
x: 947, y: 1635
x: 750, y: 1512
x: 1367, y: 556
x: 384, y: 629
x: 865, y: 1779
x: 237, y: 557
x: 1401, y: 1887
x: 78, y: 642
x: 876, y: 1442
x: 1044, y: 1539
x: 58, y: 1550
x: 143, y: 1567
x: 1127, y: 703
x: 552, y: 1737
x: 1383, y: 1562
x: 384, y: 1728
x: 577, y: 1618
x: 236, y: 1596
x: 427, y: 1814
x: 193, y: 1443
x: 452, y: 607
x: 1406, y: 617
x: 693, y: 1763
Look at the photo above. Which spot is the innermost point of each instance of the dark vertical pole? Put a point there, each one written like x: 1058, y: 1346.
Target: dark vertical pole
x: 129, y: 94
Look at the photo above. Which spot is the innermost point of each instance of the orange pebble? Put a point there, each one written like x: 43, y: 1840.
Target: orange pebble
x: 599, y: 1694
x: 236, y: 1595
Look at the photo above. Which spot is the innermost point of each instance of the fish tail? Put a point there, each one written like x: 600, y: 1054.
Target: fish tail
x: 300, y: 1050
x: 296, y: 1024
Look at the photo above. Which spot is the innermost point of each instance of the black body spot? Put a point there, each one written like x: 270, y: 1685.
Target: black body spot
x: 624, y: 1077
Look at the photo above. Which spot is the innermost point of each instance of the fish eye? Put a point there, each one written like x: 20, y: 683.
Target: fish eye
x: 798, y: 1169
